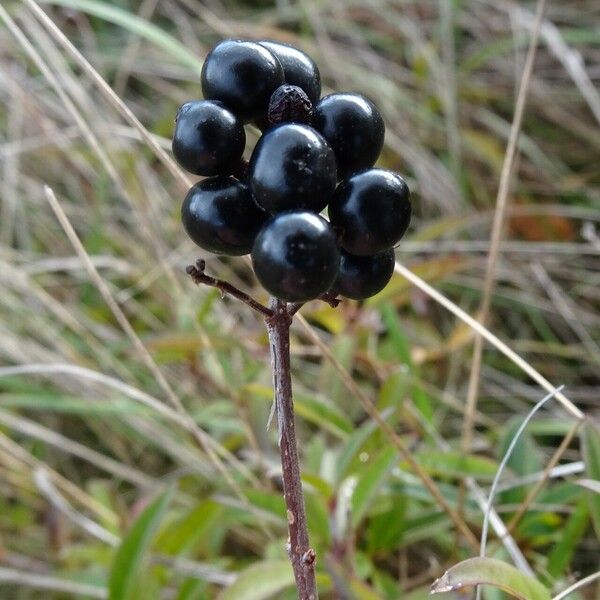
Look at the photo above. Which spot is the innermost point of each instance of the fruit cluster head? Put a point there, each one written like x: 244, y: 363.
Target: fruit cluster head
x: 314, y: 153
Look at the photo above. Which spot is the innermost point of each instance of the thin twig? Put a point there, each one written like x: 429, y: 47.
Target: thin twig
x: 302, y: 556
x: 497, y: 228
x: 200, y: 277
x: 330, y: 297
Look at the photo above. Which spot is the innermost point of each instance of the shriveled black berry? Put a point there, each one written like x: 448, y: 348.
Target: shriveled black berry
x: 295, y: 256
x: 353, y: 127
x: 220, y: 215
x: 292, y: 167
x: 242, y: 75
x: 370, y: 211
x: 208, y: 139
x: 361, y: 277
x: 299, y: 68
x: 289, y: 104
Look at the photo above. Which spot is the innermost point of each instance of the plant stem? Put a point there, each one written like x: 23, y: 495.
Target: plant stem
x: 302, y: 556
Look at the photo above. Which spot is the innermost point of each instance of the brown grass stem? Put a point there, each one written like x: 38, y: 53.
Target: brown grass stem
x: 496, y: 237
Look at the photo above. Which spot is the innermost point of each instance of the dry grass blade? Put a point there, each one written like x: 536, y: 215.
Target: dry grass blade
x: 46, y: 487
x: 114, y: 307
x: 393, y: 437
x: 51, y: 584
x: 109, y: 93
x: 578, y: 585
x: 489, y: 336
x: 87, y: 133
x: 67, y: 486
x: 497, y: 227
x: 204, y: 440
x: 65, y: 444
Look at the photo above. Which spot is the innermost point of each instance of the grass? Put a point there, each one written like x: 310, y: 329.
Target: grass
x: 135, y: 446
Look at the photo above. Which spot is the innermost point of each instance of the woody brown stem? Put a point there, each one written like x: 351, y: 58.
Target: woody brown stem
x: 199, y: 276
x: 302, y: 556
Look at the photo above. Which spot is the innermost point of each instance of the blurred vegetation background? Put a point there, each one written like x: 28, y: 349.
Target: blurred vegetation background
x: 106, y: 485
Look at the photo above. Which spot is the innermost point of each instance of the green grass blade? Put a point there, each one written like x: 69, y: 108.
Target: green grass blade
x: 569, y: 537
x: 128, y: 560
x: 136, y: 25
x: 370, y: 481
x: 590, y: 440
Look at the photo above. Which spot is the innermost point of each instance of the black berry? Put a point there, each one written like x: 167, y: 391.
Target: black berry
x: 292, y: 167
x: 353, y: 127
x: 363, y: 276
x: 208, y: 138
x: 370, y: 211
x: 242, y: 75
x: 295, y: 256
x: 220, y: 215
x: 299, y: 68
x: 289, y: 104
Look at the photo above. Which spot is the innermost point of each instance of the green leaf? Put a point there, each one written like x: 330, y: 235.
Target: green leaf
x: 456, y: 464
x: 590, y: 440
x: 349, y: 585
x: 401, y: 347
x: 127, y: 565
x: 260, y: 581
x: 569, y: 537
x: 324, y: 415
x: 183, y: 536
x: 192, y: 589
x: 386, y: 528
x: 354, y: 444
x: 369, y: 482
x: 524, y: 460
x: 136, y: 25
x: 489, y: 571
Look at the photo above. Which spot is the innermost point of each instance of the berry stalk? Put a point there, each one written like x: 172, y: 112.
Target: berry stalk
x: 302, y: 556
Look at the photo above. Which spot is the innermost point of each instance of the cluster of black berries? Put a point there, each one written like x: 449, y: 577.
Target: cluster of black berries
x: 314, y: 153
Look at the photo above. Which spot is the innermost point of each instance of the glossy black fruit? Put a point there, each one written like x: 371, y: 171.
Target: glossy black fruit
x: 242, y: 75
x: 370, y: 211
x: 220, y: 215
x: 292, y: 167
x: 298, y: 68
x: 208, y: 139
x: 353, y: 127
x: 295, y: 256
x: 361, y: 277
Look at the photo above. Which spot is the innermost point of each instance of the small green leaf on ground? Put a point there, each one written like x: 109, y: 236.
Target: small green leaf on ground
x: 370, y: 481
x: 489, y: 571
x: 569, y: 537
x: 260, y: 581
x: 127, y: 565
